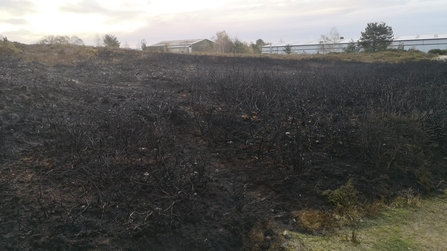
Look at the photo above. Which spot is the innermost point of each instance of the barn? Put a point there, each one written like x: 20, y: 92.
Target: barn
x: 419, y: 42
x: 183, y: 46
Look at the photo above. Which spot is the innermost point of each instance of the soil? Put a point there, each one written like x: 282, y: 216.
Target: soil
x: 115, y: 153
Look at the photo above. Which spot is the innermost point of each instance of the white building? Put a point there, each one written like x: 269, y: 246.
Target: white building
x: 420, y: 42
x: 183, y: 46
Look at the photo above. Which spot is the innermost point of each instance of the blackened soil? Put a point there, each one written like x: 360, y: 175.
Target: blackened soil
x: 180, y: 152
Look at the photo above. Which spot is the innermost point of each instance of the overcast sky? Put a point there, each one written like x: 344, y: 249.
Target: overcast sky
x: 290, y: 21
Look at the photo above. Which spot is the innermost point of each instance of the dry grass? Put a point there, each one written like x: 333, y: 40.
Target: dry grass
x: 263, y: 237
x: 347, y: 212
x: 8, y: 48
x: 70, y: 54
x: 312, y: 221
x: 56, y: 54
x: 391, y: 56
x: 407, y: 198
x: 373, y: 209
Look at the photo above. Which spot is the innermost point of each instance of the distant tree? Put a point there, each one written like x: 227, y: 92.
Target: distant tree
x: 288, y: 49
x: 329, y: 42
x: 254, y: 48
x: 222, y: 42
x: 126, y: 45
x: 143, y: 44
x: 98, y: 42
x: 5, y: 39
x: 438, y: 51
x: 240, y: 47
x: 76, y: 40
x: 257, y: 48
x: 166, y: 49
x: 111, y: 41
x: 260, y: 42
x: 377, y: 37
x: 51, y: 39
x: 352, y: 47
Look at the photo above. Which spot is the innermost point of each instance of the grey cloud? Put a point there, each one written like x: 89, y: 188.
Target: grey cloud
x: 85, y: 7
x: 288, y: 20
x: 23, y: 36
x: 17, y: 7
x: 14, y: 21
x: 93, y: 7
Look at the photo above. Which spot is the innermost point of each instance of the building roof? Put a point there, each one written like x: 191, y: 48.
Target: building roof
x: 310, y: 42
x: 418, y: 37
x: 178, y: 43
x: 347, y: 40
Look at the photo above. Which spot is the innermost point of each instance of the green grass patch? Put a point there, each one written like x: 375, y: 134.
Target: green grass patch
x: 413, y: 227
x: 396, y: 244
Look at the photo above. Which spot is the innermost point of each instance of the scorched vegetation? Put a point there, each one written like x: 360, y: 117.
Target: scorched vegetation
x: 123, y: 150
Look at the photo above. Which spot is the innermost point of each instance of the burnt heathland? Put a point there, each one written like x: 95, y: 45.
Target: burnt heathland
x: 134, y: 151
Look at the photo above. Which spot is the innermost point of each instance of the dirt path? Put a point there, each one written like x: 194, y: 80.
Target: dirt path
x: 421, y: 228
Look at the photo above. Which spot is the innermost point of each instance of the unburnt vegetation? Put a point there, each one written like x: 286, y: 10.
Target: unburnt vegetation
x: 124, y: 150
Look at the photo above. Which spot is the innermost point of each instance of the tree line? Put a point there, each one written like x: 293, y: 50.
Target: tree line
x: 107, y: 40
x: 223, y: 43
x: 377, y: 36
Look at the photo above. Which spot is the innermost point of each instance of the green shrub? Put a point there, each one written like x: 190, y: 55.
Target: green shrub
x: 438, y: 51
x: 344, y: 197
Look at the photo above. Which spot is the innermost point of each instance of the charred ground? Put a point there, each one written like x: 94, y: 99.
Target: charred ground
x: 132, y: 151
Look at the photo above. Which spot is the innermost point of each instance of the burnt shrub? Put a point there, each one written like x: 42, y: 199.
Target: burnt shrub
x: 126, y: 164
x: 385, y: 117
x: 297, y: 116
x: 391, y: 140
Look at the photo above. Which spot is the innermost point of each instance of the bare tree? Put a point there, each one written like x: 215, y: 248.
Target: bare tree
x: 98, y: 42
x: 222, y: 42
x: 126, y: 45
x: 76, y: 40
x: 51, y: 39
x: 329, y: 42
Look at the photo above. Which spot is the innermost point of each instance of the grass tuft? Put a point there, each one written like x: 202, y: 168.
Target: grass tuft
x: 407, y: 198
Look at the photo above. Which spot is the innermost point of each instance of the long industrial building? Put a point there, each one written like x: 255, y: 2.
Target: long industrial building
x: 419, y: 42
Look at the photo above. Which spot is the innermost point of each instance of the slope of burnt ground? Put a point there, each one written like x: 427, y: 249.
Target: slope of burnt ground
x: 184, y: 152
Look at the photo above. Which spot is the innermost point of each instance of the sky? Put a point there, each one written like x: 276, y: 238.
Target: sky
x: 273, y: 21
